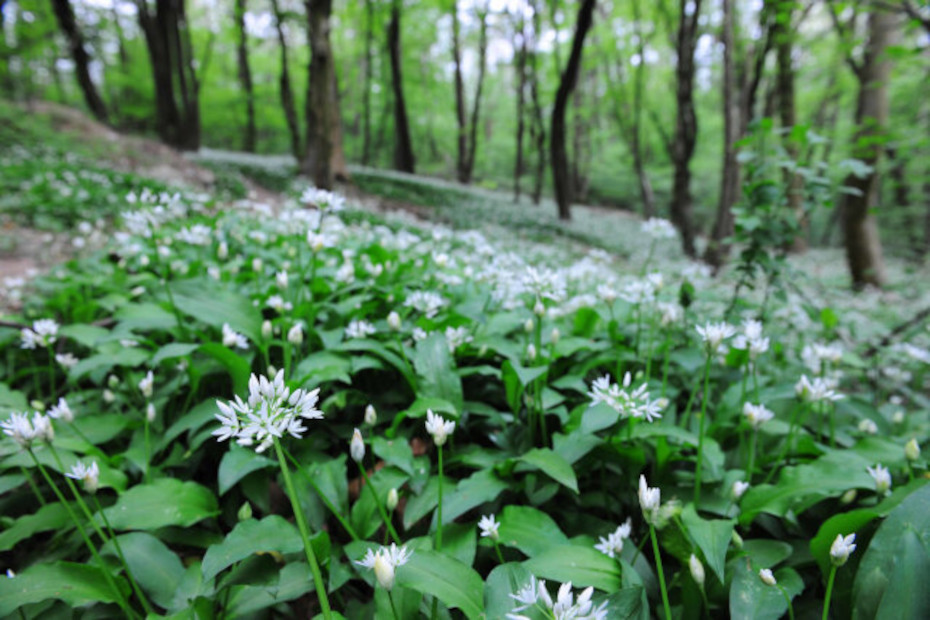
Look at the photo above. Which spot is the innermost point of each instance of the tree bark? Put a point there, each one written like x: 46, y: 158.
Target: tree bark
x: 561, y: 171
x: 645, y: 185
x: 682, y: 147
x: 538, y: 125
x: 369, y: 72
x: 521, y: 54
x: 863, y: 245
x: 177, y: 111
x: 287, y: 94
x: 319, y: 110
x: 64, y: 14
x: 476, y: 104
x: 245, y: 78
x: 718, y: 248
x: 403, y: 149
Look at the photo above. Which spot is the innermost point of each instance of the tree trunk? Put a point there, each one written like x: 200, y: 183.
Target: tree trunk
x: 645, y: 186
x: 476, y: 104
x: 863, y: 245
x: 337, y: 160
x: 718, y: 248
x: 319, y: 112
x: 682, y: 147
x: 177, y: 111
x: 461, y: 153
x: 521, y: 52
x: 369, y: 72
x: 287, y: 94
x: 245, y: 78
x: 561, y: 172
x: 403, y: 149
x: 538, y: 125
x: 64, y: 13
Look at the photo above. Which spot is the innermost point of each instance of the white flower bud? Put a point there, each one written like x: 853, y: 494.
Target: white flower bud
x: 371, y: 416
x: 530, y: 352
x: 529, y: 325
x: 272, y: 371
x: 357, y: 447
x: 912, y: 450
x: 849, y: 497
x: 256, y: 264
x: 222, y: 252
x: 144, y: 261
x: 281, y: 279
x: 266, y: 329
x: 765, y: 574
x: 150, y: 412
x: 112, y: 382
x: 393, y: 321
x: 384, y: 571
x: 841, y: 549
x: 295, y: 335
x: 539, y: 309
x: 38, y: 405
x: 898, y: 417
x: 736, y: 491
x: 108, y: 396
x: 555, y: 336
x: 697, y: 570
x: 392, y: 499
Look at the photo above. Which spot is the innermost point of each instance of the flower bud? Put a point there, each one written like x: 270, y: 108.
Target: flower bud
x: 144, y: 261
x: 256, y: 264
x: 112, y: 382
x: 530, y: 352
x: 912, y: 450
x: 281, y: 279
x: 222, y: 252
x: 555, y: 336
x: 697, y: 570
x: 357, y: 447
x: 245, y: 511
x: 108, y: 396
x: 737, y: 539
x: 765, y: 574
x: 736, y: 491
x: 393, y: 321
x: 841, y: 548
x: 898, y: 417
x: 38, y: 405
x: 371, y: 416
x: 266, y: 329
x: 539, y: 309
x: 384, y: 571
x: 392, y: 499
x: 295, y: 335
x: 150, y: 412
x: 849, y: 497
x: 529, y: 326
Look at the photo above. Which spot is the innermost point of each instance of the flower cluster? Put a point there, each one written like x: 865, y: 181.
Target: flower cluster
x: 439, y: 428
x: 25, y: 432
x: 816, y: 390
x: 384, y: 562
x: 43, y: 333
x: 757, y: 414
x: 270, y: 411
x: 613, y: 544
x: 629, y: 404
x: 713, y: 335
x: 564, y: 607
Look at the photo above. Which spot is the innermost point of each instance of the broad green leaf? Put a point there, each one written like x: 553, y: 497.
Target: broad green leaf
x: 502, y: 584
x: 103, y: 362
x: 751, y: 599
x: 331, y: 478
x: 436, y: 371
x: 713, y: 538
x: 272, y: 533
x: 453, y: 583
x: 11, y: 400
x: 529, y: 530
x: 74, y: 584
x: 193, y: 420
x: 167, y: 501
x: 481, y: 487
x: 553, y: 465
x: 239, y: 369
x: 583, y: 566
x: 154, y: 566
x: 84, y: 334
x: 238, y: 463
x: 172, y: 351
x: 379, y: 350
x: 145, y: 317
x: 214, y: 304
x: 294, y: 581
x: 396, y: 452
x: 628, y: 604
x: 322, y: 367
x: 48, y: 517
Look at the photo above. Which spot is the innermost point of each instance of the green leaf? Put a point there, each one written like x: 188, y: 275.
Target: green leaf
x: 74, y: 584
x: 84, y: 334
x: 272, y: 533
x: 453, y: 583
x: 583, y: 566
x: 331, y: 478
x: 751, y: 599
x: 11, y: 400
x: 482, y: 486
x: 553, y: 465
x: 47, y: 518
x: 154, y: 566
x: 165, y: 502
x: 239, y: 369
x: 502, y: 584
x: 436, y: 369
x: 529, y: 530
x: 237, y: 464
x: 214, y: 304
x: 323, y: 367
x: 713, y: 538
x: 172, y: 351
x: 396, y: 452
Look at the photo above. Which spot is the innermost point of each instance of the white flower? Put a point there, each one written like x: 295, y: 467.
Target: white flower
x: 43, y: 333
x: 150, y: 412
x: 427, y: 302
x: 818, y: 390
x: 841, y: 548
x: 295, y: 335
x: 912, y: 449
x: 658, y: 228
x: 649, y: 499
x: 438, y: 427
x: 267, y: 329
x: 281, y: 279
x: 671, y: 313
x: 613, y: 544
x: 231, y: 338
x: 19, y: 428
x: 531, y: 352
x: 565, y: 607
x: 456, y: 337
x: 325, y: 201
x: 713, y: 334
x: 357, y: 447
x: 765, y: 574
x: 882, y: 478
x: 61, y: 411
x: 270, y: 411
x: 147, y: 384
x: 867, y: 426
x: 489, y: 526
x: 371, y: 416
x: 277, y: 303
x: 627, y: 403
x: 66, y: 360
x: 393, y: 321
x: 419, y: 334
x: 697, y: 569
x: 392, y: 499
x: 384, y: 561
x: 90, y: 475
x: 359, y: 329
x: 739, y: 487
x: 757, y: 414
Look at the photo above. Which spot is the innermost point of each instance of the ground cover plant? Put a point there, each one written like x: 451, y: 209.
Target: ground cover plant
x: 231, y: 410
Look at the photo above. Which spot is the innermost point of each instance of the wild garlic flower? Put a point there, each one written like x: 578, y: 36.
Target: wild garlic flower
x: 650, y: 500
x: 658, y: 228
x: 384, y: 561
x: 439, y: 428
x: 277, y: 303
x: 66, y: 360
x: 751, y: 339
x: 912, y: 450
x: 359, y: 329
x: 89, y: 475
x: 565, y: 607
x: 393, y: 321
x: 456, y: 337
x: 325, y: 201
x: 738, y: 489
x: 670, y: 313
x: 629, y: 404
x: 232, y: 338
x: 61, y: 411
x: 757, y: 414
x: 43, y: 333
x: 697, y: 570
x: 427, y: 302
x: 765, y: 574
x: 613, y: 544
x: 371, y: 416
x: 147, y: 384
x: 713, y: 335
x: 882, y: 478
x: 841, y: 549
x: 281, y: 279
x: 295, y: 335
x: 270, y: 411
x: 868, y: 426
x: 357, y: 446
x: 25, y: 432
x: 815, y: 356
x: 816, y: 390
x: 489, y: 526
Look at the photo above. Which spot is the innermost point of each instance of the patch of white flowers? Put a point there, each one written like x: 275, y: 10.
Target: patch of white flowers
x: 628, y: 403
x: 564, y: 607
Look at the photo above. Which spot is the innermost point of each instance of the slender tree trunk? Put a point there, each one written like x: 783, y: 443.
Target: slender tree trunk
x: 476, y: 104
x: 245, y: 78
x: 718, y: 248
x: 863, y: 245
x: 558, y: 153
x: 369, y: 72
x: 521, y: 49
x: 403, y: 150
x: 319, y: 112
x: 64, y: 13
x: 897, y: 174
x: 460, y: 120
x: 538, y: 125
x: 287, y: 94
x: 682, y: 147
x: 337, y: 156
x: 645, y: 186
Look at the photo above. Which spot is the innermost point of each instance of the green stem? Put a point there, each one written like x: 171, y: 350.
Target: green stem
x: 439, y: 509
x: 329, y: 505
x: 393, y: 606
x: 700, y: 454
x: 32, y: 485
x: 381, y: 510
x: 752, y: 455
x: 121, y: 599
x: 826, y: 600
x: 304, y: 534
x: 655, y: 550
x: 500, y: 556
x: 784, y: 593
x: 119, y: 551
x: 667, y: 354
x: 148, y: 448
x: 51, y: 376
